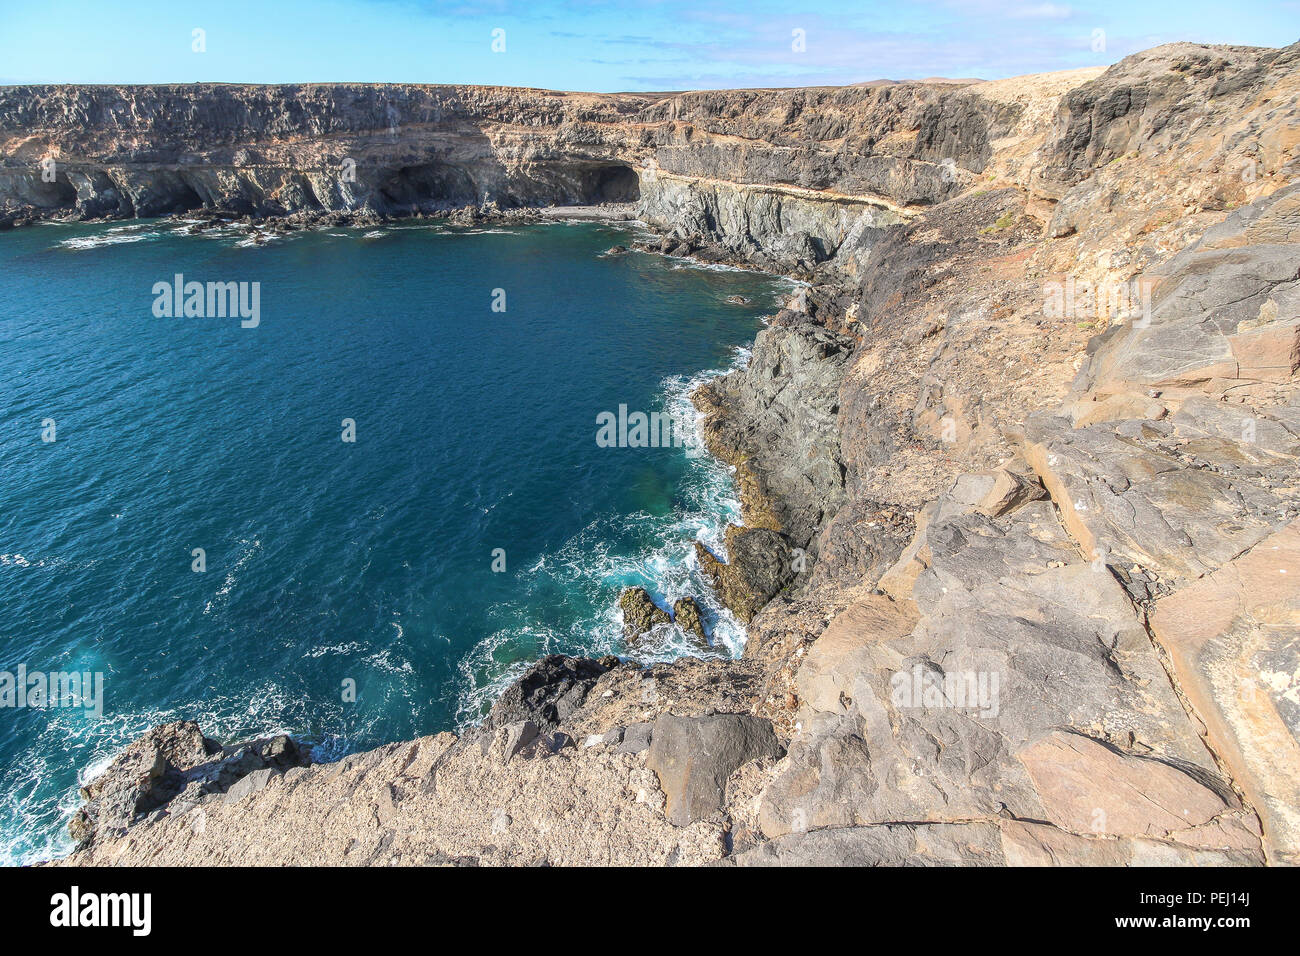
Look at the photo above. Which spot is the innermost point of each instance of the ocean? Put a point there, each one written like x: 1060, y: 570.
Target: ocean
x: 353, y: 511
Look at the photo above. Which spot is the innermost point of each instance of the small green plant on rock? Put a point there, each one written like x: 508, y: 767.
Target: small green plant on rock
x: 1003, y: 221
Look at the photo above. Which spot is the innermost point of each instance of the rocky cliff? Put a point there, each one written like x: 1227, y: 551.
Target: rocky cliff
x: 1018, y: 470
x: 787, y: 179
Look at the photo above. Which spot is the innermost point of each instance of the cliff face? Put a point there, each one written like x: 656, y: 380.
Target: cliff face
x: 277, y: 150
x: 1018, y: 469
x: 781, y: 177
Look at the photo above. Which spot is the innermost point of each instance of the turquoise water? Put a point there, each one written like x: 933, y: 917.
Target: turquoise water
x: 331, y: 561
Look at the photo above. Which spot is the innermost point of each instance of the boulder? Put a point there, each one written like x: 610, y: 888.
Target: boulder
x: 143, y: 777
x: 636, y: 738
x: 175, y: 762
x: 694, y: 757
x: 640, y: 613
x: 547, y: 693
x: 996, y: 492
x: 686, y: 614
x: 249, y: 784
x: 519, y: 735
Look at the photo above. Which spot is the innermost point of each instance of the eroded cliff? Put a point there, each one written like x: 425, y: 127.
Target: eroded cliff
x: 1019, y: 470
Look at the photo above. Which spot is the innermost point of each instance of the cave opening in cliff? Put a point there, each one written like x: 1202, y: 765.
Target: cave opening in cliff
x: 167, y: 197
x: 610, y: 183
x: 186, y: 197
x: 428, y: 186
x: 59, y: 194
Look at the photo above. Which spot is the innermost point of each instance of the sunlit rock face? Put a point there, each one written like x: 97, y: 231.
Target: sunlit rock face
x: 788, y: 178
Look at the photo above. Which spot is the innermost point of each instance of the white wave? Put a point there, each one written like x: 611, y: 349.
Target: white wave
x: 342, y: 649
x: 586, y: 564
x: 37, y: 816
x: 685, y: 262
x: 485, y: 676
x: 389, y: 663
x: 109, y: 238
x: 232, y: 576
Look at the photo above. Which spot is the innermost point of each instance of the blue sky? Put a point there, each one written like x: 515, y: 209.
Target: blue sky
x: 594, y: 45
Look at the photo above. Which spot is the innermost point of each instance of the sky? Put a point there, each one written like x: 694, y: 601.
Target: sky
x: 649, y: 45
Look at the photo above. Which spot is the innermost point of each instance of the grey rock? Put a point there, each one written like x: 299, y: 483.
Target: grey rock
x: 1017, y: 637
x: 1223, y: 314
x: 935, y: 844
x: 518, y: 736
x: 143, y: 777
x: 694, y: 757
x: 636, y: 738
x: 250, y: 784
x: 174, y: 764
x: 556, y: 742
x: 778, y: 417
x: 1129, y: 501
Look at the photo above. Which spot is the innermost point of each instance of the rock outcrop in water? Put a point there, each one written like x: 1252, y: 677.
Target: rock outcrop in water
x: 1018, y: 468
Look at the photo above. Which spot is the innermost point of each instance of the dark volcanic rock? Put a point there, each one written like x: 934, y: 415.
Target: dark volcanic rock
x: 547, y: 694
x: 861, y: 543
x: 143, y: 777
x: 776, y: 420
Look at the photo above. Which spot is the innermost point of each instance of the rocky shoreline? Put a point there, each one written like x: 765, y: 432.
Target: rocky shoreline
x: 1018, y: 473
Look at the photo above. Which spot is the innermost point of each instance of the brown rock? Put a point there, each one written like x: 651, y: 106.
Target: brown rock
x: 760, y: 565
x: 826, y: 679
x: 1086, y: 787
x: 1270, y: 353
x: 686, y: 613
x: 640, y: 613
x: 1234, y: 639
